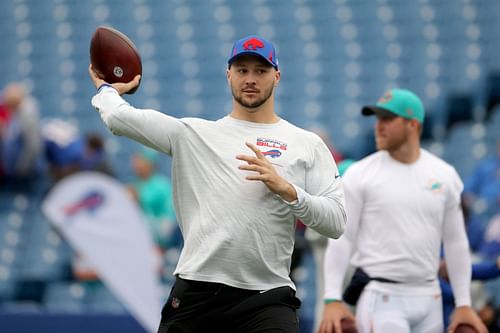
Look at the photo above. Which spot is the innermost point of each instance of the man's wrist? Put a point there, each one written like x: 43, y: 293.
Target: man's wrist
x: 103, y: 85
x: 332, y: 300
x: 290, y: 195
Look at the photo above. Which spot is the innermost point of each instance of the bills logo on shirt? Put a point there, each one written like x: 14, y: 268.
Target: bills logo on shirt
x: 275, y: 147
x: 273, y: 153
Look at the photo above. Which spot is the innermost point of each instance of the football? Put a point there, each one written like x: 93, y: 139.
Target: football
x: 464, y: 328
x: 114, y: 56
x: 348, y: 326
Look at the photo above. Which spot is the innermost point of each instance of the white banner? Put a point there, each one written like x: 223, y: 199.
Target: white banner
x: 100, y: 221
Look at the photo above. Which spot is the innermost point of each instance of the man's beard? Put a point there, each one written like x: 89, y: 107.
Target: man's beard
x: 256, y: 103
x: 393, y: 144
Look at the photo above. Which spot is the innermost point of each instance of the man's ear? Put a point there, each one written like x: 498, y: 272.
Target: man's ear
x: 277, y: 78
x: 415, y: 124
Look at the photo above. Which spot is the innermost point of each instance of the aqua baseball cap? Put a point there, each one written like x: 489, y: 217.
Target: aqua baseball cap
x: 254, y: 44
x: 398, y: 102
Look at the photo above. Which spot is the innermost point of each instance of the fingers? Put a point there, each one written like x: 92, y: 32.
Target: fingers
x: 248, y: 159
x: 261, y: 173
x: 326, y: 326
x: 252, y: 167
x: 93, y: 73
x: 135, y: 82
x: 94, y: 77
x: 256, y: 150
x: 257, y: 159
x: 123, y: 88
x: 480, y: 327
x: 119, y: 86
x: 337, y: 326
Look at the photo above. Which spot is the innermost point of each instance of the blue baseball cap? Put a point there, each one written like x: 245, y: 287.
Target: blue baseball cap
x: 254, y: 45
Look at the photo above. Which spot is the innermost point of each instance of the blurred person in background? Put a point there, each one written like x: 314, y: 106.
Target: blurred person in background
x: 402, y: 204
x: 153, y: 193
x: 64, y: 147
x: 318, y: 244
x: 67, y: 151
x: 484, y: 182
x: 240, y: 184
x: 20, y: 139
x: 94, y: 156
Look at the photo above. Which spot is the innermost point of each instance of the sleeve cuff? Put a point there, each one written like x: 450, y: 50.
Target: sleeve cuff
x: 333, y: 294
x: 105, y: 86
x: 300, y: 197
x: 465, y: 301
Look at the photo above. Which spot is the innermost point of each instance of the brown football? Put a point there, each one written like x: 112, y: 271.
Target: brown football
x: 464, y: 328
x: 114, y: 56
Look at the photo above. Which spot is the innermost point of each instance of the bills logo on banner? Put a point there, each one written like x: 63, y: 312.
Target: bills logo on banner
x: 101, y: 222
x: 90, y: 202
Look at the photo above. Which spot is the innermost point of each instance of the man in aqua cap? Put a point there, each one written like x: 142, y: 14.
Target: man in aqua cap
x: 402, y: 204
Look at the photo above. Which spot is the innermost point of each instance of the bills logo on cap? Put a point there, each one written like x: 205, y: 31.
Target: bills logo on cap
x: 254, y: 45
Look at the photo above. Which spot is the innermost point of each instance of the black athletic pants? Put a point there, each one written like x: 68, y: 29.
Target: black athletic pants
x: 195, y: 306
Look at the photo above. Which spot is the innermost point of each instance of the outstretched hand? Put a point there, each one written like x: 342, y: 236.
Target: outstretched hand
x: 265, y: 172
x: 120, y: 87
x: 466, y: 315
x: 333, y: 314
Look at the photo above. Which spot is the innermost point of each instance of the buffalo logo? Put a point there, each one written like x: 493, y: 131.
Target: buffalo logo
x: 273, y: 153
x: 90, y: 202
x: 253, y: 44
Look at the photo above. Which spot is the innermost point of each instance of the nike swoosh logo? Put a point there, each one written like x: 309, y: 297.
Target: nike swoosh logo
x: 337, y: 176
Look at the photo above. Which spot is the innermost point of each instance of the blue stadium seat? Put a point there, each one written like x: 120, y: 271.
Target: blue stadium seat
x: 69, y: 297
x: 104, y: 301
x: 48, y: 256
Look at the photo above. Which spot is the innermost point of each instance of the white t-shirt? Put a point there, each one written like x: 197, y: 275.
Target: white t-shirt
x: 236, y: 231
x: 398, y: 216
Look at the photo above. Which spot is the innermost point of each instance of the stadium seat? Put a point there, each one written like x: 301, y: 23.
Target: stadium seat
x: 66, y: 297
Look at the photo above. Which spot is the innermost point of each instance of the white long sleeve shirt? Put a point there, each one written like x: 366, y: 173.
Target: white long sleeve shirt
x: 236, y: 231
x: 398, y: 217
